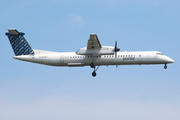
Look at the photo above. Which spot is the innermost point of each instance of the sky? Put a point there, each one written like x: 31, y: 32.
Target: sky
x: 132, y: 92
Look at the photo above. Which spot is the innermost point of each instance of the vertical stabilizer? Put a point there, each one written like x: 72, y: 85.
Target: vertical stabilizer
x: 19, y: 43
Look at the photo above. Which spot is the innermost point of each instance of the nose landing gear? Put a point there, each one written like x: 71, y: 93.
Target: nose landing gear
x: 165, y: 66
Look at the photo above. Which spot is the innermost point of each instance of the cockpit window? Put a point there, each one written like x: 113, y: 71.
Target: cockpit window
x: 159, y: 53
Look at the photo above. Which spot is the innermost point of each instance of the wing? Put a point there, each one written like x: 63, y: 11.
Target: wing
x: 93, y: 42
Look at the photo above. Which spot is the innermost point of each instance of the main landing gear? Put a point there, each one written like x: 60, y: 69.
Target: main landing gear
x: 92, y: 65
x: 94, y: 72
x: 165, y: 66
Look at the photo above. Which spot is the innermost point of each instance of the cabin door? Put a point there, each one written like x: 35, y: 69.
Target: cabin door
x: 62, y: 59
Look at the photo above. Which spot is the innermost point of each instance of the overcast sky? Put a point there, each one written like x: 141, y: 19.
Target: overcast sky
x: 31, y: 91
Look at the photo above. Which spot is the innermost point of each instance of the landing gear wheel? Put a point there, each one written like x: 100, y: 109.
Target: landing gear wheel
x: 92, y: 65
x: 94, y: 74
x: 165, y: 67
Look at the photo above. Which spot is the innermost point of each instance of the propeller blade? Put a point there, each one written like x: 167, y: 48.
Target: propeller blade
x: 116, y: 49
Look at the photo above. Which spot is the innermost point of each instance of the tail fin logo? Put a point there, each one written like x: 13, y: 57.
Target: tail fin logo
x: 19, y: 43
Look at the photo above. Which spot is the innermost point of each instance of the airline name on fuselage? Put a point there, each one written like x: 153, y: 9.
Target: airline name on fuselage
x: 128, y: 58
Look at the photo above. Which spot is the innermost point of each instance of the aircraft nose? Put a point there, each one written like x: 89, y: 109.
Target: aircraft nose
x: 169, y: 60
x: 172, y: 61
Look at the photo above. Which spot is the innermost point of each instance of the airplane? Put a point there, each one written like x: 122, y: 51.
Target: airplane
x: 93, y: 55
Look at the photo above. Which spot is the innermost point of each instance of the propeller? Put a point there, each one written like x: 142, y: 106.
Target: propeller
x: 116, y: 49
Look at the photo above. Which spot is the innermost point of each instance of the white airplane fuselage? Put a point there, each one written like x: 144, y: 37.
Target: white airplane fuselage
x: 93, y: 55
x: 72, y: 59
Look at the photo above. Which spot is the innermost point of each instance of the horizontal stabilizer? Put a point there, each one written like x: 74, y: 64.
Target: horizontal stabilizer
x: 13, y: 32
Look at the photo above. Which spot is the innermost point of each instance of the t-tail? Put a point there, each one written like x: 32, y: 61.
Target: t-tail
x: 19, y: 44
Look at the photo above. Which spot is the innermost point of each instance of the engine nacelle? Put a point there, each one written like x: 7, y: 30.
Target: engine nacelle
x: 105, y: 50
